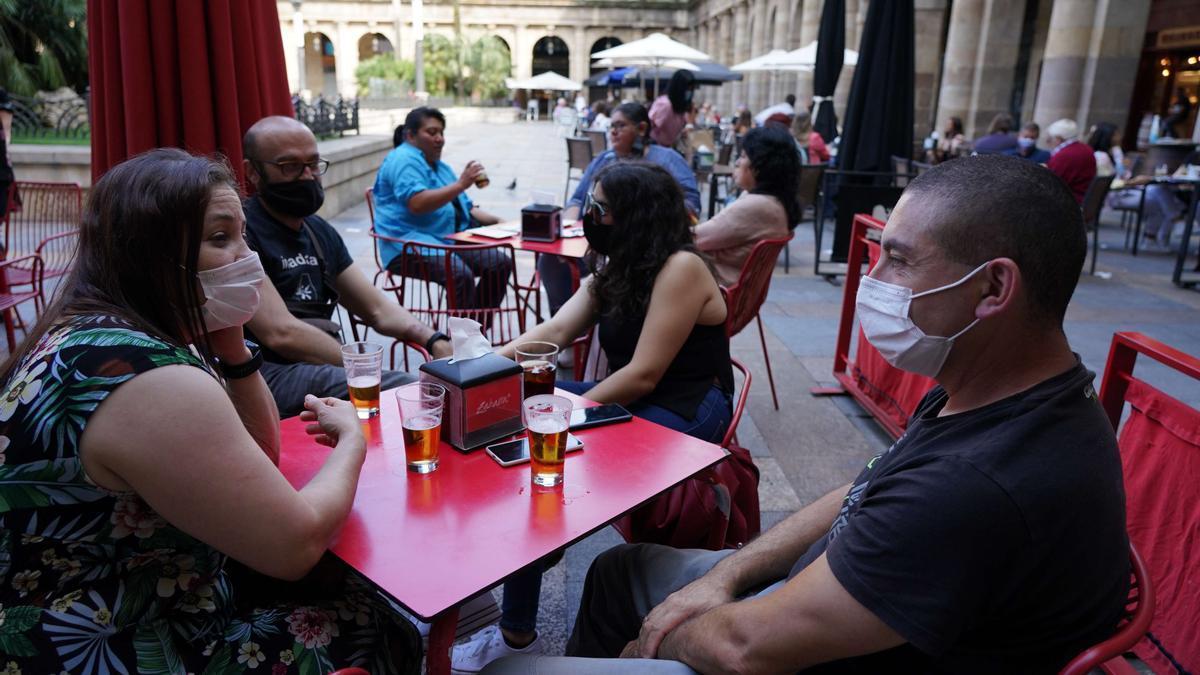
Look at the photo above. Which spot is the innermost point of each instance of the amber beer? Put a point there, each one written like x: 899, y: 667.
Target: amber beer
x: 421, y: 438
x: 539, y: 377
x: 482, y: 180
x: 364, y: 394
x: 547, y: 450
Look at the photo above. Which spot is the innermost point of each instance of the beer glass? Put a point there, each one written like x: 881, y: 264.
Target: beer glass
x: 540, y: 361
x: 363, y: 362
x: 546, y: 421
x: 421, y: 421
x: 482, y: 180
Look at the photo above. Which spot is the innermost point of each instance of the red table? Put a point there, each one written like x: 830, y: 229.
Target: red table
x: 570, y: 247
x: 432, y: 542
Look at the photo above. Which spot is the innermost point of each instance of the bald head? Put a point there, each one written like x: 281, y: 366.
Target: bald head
x: 268, y: 130
x: 275, y: 141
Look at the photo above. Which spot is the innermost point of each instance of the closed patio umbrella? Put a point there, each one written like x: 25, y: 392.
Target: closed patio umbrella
x: 187, y: 74
x: 831, y: 43
x: 879, y: 113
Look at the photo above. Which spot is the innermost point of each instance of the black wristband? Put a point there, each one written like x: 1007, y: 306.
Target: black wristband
x: 239, y: 370
x: 437, y: 335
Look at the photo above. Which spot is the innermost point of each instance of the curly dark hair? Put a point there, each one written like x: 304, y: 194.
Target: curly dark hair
x: 650, y: 223
x: 776, y: 166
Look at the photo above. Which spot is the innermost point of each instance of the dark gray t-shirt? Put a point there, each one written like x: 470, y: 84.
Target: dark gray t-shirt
x: 992, y: 541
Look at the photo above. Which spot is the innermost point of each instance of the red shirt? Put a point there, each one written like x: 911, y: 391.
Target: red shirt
x: 1075, y: 163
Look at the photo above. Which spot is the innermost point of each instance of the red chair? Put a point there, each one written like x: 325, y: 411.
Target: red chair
x: 10, y: 300
x: 739, y: 407
x: 745, y: 297
x: 1139, y: 610
x: 380, y: 269
x: 1160, y: 458
x: 47, y: 210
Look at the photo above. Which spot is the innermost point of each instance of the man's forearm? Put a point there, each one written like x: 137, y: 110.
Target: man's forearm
x: 307, y: 344
x: 432, y: 199
x: 771, y: 556
x: 394, y: 321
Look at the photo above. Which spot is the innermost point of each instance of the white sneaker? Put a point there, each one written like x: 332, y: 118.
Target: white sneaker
x: 484, y: 647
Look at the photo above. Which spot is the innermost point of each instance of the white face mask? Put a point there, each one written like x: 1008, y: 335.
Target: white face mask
x: 883, y: 312
x: 231, y: 292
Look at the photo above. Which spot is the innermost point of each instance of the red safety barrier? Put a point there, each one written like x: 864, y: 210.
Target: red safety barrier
x: 889, y: 394
x: 1160, y: 458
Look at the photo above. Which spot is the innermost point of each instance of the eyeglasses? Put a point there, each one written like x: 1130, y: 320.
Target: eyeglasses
x: 293, y: 170
x: 619, y: 126
x: 593, y: 204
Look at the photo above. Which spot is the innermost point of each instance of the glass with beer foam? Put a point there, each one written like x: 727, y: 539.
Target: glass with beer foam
x: 421, y: 422
x: 546, y: 421
x: 540, y: 361
x: 363, y: 362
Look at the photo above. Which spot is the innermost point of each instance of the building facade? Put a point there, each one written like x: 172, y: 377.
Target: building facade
x: 1039, y: 60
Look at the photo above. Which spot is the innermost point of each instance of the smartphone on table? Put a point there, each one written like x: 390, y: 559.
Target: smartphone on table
x: 600, y: 415
x: 516, y: 451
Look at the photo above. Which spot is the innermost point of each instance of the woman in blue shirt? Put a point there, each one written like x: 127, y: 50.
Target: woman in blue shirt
x: 418, y: 198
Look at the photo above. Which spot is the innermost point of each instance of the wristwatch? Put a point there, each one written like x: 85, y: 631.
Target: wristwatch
x: 437, y: 335
x: 236, y: 371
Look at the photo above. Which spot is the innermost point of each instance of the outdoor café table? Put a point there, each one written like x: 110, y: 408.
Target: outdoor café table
x: 431, y: 542
x: 564, y: 247
x: 1180, y: 277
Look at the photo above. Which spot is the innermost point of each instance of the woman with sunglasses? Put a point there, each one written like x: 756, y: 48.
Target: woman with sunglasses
x: 628, y: 139
x: 662, y: 326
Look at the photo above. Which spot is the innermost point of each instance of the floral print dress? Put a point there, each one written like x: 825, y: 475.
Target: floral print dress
x: 94, y: 581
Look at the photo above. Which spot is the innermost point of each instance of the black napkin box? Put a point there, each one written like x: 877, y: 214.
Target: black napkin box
x: 541, y: 222
x: 483, y: 399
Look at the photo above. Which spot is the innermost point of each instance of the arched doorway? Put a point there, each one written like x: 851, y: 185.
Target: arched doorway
x: 551, y: 54
x: 489, y: 62
x: 606, y: 42
x: 371, y: 45
x: 320, y: 65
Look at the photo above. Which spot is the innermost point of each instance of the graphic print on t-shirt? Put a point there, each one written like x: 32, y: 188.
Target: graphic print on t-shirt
x: 306, y: 291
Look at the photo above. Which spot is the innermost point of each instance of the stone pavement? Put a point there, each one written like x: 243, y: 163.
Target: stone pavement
x: 810, y: 445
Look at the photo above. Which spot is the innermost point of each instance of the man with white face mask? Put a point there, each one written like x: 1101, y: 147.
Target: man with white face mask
x: 311, y: 273
x: 990, y: 538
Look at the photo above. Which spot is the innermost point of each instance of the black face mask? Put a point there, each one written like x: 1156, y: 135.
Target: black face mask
x: 295, y: 198
x: 599, y: 236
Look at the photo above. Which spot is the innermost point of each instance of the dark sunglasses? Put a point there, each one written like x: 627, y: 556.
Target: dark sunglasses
x: 593, y: 204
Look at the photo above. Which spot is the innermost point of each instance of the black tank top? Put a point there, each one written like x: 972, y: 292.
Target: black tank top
x: 702, y: 361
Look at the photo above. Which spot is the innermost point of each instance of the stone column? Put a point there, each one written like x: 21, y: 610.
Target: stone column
x: 725, y: 49
x: 981, y: 53
x: 740, y: 49
x: 804, y: 33
x: 346, y: 52
x: 1090, y: 63
x: 522, y: 52
x: 579, y: 55
x: 929, y: 17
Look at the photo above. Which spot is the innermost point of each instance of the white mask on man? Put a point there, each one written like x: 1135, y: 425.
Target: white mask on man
x: 883, y: 311
x: 231, y: 292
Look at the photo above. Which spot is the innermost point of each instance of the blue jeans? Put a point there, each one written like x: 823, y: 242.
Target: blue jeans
x: 555, y: 272
x: 523, y: 590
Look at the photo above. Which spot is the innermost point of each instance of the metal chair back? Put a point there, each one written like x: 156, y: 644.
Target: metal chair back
x: 47, y: 209
x: 599, y: 141
x: 746, y: 295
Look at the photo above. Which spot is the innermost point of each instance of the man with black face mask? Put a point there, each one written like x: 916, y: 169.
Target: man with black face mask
x: 311, y: 272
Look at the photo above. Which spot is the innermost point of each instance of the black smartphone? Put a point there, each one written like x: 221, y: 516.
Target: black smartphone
x: 596, y: 416
x: 516, y: 451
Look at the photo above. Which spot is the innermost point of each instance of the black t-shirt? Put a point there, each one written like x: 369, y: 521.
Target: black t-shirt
x: 292, y: 263
x: 992, y: 541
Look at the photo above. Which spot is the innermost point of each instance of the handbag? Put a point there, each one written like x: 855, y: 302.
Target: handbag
x: 715, y: 509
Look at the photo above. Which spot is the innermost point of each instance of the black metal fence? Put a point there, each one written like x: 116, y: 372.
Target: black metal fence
x: 68, y: 118
x: 327, y: 118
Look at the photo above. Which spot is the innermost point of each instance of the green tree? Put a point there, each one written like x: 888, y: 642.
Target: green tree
x: 488, y: 63
x: 384, y: 67
x: 441, y: 64
x: 43, y: 45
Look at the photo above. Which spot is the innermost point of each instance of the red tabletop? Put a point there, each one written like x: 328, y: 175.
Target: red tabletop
x: 432, y: 542
x: 570, y: 247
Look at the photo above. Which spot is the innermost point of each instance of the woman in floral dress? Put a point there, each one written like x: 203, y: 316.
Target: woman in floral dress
x: 129, y: 470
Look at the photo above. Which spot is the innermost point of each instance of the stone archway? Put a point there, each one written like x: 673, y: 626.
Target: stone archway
x: 551, y: 54
x: 320, y: 64
x: 606, y: 42
x: 371, y: 45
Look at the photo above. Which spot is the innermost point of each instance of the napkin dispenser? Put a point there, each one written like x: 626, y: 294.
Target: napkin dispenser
x: 483, y: 399
x: 541, y: 222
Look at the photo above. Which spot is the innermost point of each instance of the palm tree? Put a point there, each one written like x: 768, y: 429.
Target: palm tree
x: 43, y: 45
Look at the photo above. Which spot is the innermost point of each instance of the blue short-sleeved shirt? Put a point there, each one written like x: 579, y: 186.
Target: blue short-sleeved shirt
x: 404, y: 173
x: 665, y: 157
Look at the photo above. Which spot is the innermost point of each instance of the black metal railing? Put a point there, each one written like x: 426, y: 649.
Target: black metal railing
x: 48, y: 118
x: 327, y: 118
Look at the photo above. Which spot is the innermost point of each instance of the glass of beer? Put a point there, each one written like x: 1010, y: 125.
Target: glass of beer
x: 482, y: 180
x: 540, y: 361
x: 546, y: 421
x: 363, y: 362
x: 421, y: 420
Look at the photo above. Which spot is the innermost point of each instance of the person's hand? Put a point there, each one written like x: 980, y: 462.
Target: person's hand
x: 330, y: 420
x: 690, y: 601
x: 469, y: 173
x: 442, y: 349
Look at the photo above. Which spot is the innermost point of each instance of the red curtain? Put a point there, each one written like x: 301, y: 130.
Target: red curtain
x: 192, y: 74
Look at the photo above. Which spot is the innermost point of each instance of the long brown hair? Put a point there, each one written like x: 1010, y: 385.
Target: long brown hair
x: 139, y: 245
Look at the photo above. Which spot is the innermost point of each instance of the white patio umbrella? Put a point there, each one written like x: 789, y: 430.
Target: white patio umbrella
x: 807, y: 56
x: 656, y: 49
x: 772, y: 62
x: 548, y: 80
x: 671, y: 64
